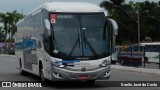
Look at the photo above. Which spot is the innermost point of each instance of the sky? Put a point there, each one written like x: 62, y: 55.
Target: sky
x: 27, y: 6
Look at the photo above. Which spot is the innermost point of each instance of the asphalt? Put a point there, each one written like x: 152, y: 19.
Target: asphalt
x: 7, y: 55
x: 118, y: 67
x: 136, y: 69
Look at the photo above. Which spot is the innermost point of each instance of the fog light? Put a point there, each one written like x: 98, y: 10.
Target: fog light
x: 57, y: 75
x: 107, y: 74
x: 58, y: 65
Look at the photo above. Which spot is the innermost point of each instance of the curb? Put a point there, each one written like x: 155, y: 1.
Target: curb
x: 142, y: 70
x: 6, y: 55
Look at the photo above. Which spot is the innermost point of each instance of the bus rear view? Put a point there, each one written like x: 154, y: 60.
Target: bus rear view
x: 72, y: 42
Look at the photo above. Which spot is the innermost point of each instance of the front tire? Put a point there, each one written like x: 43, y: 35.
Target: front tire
x: 22, y: 72
x: 42, y: 76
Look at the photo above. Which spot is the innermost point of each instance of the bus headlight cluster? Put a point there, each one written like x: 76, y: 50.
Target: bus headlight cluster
x: 105, y: 63
x: 58, y: 65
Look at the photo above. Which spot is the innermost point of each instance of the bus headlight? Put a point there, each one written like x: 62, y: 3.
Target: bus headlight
x: 54, y: 64
x: 105, y: 63
x: 58, y: 65
x: 62, y: 66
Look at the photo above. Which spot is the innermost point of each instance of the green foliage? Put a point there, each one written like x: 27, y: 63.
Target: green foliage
x: 9, y: 21
x: 126, y: 14
x: 1, y: 35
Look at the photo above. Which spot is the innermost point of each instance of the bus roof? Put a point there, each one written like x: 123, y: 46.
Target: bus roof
x: 71, y: 7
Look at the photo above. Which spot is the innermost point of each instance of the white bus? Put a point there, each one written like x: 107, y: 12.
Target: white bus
x: 65, y: 41
x: 152, y: 51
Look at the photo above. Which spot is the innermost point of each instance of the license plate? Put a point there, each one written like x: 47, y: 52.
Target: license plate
x: 83, y: 77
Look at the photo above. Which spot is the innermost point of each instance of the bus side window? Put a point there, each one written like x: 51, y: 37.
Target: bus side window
x: 34, y: 45
x: 152, y: 48
x: 141, y: 48
x: 46, y: 44
x: 39, y: 45
x: 146, y: 48
x: 157, y: 48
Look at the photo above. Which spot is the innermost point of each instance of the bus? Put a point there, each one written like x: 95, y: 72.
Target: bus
x: 151, y: 51
x: 65, y: 41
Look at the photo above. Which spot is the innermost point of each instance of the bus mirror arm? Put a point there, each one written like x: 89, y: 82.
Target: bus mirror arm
x: 47, y: 27
x: 114, y: 26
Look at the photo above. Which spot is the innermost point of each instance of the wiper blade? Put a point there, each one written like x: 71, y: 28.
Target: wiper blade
x: 75, y: 44
x: 89, y: 44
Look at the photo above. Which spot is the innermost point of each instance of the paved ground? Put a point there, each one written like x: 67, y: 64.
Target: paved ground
x: 137, y: 69
x: 8, y: 72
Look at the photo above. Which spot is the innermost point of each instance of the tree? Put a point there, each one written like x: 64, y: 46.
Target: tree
x: 13, y: 18
x: 126, y: 16
x: 2, y: 36
x: 9, y: 21
x: 108, y: 5
x: 116, y: 11
x: 149, y: 25
x: 4, y: 20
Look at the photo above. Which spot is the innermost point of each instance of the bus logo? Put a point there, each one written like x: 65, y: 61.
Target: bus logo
x: 83, y: 69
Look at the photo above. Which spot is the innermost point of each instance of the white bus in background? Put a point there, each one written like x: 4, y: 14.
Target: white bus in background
x: 65, y: 41
x: 115, y: 51
x: 152, y: 51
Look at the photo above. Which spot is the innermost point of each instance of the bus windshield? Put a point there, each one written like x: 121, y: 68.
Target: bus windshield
x: 80, y: 35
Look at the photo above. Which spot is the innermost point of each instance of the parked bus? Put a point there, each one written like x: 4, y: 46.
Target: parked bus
x: 152, y: 51
x: 65, y: 41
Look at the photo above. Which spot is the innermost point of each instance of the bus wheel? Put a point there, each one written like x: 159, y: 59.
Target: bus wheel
x: 42, y: 75
x: 42, y: 79
x: 22, y: 72
x: 90, y: 82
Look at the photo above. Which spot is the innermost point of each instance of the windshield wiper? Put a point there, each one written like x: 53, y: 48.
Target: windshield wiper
x: 75, y: 44
x: 89, y: 44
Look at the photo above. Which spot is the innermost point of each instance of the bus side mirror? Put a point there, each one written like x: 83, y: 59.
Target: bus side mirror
x: 114, y: 26
x: 47, y: 27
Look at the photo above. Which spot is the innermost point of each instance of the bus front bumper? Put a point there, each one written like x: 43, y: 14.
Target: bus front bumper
x: 62, y: 74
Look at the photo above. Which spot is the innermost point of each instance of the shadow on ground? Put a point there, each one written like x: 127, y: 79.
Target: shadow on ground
x: 67, y: 84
